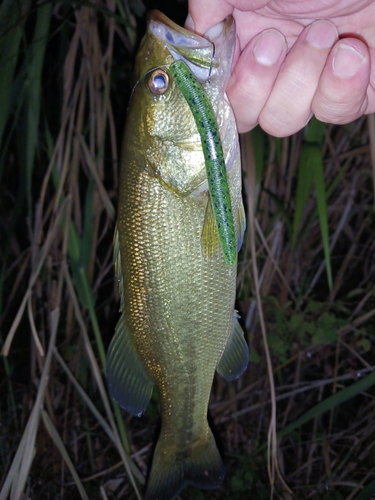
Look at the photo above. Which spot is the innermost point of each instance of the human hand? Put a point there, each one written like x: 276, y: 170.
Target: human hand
x: 296, y: 58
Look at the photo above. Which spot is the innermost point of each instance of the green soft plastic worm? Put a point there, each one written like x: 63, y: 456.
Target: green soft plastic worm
x: 204, y: 117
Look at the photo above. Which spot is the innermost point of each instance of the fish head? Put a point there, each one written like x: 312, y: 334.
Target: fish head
x: 165, y: 122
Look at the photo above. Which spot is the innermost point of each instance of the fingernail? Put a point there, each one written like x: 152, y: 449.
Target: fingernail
x: 347, y: 60
x: 322, y: 34
x: 268, y: 47
x: 189, y: 23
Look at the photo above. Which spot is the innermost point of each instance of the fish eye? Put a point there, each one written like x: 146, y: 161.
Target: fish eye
x: 158, y: 82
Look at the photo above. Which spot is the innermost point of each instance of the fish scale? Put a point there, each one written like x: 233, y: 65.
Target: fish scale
x: 182, y: 315
x: 178, y: 323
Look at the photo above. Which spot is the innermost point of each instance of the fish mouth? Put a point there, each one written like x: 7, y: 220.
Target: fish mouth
x: 203, y: 54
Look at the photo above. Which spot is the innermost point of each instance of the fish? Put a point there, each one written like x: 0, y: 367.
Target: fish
x: 178, y: 323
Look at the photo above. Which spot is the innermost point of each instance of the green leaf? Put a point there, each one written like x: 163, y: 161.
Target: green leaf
x: 12, y: 20
x: 304, y: 183
x: 367, y: 493
x: 12, y: 88
x: 29, y: 132
x: 311, y: 171
x: 315, y: 131
x: 323, y: 335
x: 365, y: 344
x: 330, y: 403
x: 296, y: 320
x: 254, y: 356
x: 318, y: 169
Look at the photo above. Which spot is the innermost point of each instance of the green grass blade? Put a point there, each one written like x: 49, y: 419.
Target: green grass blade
x: 318, y: 174
x: 11, y: 398
x: 304, y: 182
x: 331, y: 402
x: 329, y: 190
x: 11, y: 30
x: 367, y: 493
x: 30, y: 131
x: 86, y: 296
x: 315, y: 131
x: 311, y: 172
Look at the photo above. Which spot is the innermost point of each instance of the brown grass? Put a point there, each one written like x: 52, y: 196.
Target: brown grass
x: 60, y: 435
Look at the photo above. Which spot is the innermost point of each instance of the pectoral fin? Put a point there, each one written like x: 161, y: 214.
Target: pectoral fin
x: 210, y: 235
x: 236, y: 355
x: 129, y: 383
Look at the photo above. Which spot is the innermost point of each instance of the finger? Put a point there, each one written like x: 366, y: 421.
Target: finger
x: 341, y: 94
x: 289, y: 106
x: 207, y: 13
x: 203, y: 15
x: 254, y: 75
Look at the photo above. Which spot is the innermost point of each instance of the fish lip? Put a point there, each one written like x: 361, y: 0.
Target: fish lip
x: 224, y: 28
x: 200, y: 53
x: 223, y: 37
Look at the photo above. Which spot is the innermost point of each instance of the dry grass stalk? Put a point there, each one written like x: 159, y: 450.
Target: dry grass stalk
x: 60, y: 228
x: 320, y: 340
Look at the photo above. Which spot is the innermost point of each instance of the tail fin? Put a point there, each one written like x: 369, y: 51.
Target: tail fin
x: 199, y: 464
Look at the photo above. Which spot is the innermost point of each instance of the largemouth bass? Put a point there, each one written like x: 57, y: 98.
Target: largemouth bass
x: 178, y: 323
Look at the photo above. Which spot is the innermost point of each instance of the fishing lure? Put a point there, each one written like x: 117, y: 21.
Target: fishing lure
x: 204, y: 117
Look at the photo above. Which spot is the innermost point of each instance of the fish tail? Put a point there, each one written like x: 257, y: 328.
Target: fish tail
x: 198, y: 464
